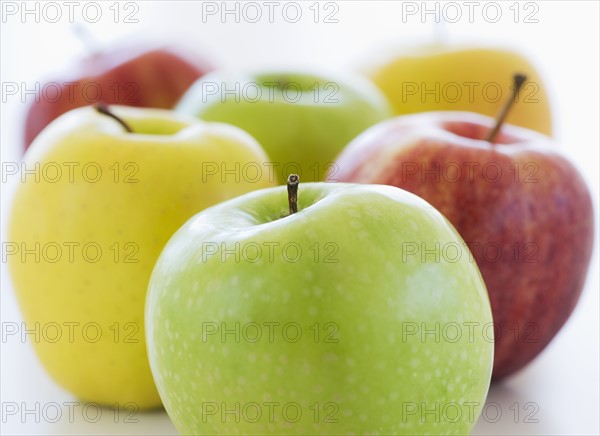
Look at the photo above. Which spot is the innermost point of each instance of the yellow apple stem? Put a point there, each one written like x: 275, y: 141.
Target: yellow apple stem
x: 440, y: 32
x: 518, y: 79
x: 292, y: 188
x: 103, y: 109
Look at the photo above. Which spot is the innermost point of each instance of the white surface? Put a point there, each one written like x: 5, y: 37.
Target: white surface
x: 561, y: 387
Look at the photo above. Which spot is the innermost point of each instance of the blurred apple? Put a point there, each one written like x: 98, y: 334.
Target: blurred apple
x: 461, y: 78
x: 302, y: 120
x: 135, y: 74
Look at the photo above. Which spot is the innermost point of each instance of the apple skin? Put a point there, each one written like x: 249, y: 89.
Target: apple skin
x: 545, y: 208
x: 167, y: 154
x: 136, y: 75
x: 307, y: 134
x: 446, y: 65
x: 367, y: 292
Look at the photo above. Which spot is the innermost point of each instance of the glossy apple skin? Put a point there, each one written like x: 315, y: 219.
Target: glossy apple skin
x: 449, y: 67
x: 365, y: 290
x: 306, y: 134
x: 159, y: 185
x: 544, y: 208
x: 133, y: 75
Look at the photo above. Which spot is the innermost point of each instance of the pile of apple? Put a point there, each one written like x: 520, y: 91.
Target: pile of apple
x: 309, y: 308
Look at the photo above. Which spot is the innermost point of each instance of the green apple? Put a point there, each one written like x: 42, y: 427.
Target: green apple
x: 442, y: 77
x: 93, y: 208
x: 302, y: 120
x: 349, y: 316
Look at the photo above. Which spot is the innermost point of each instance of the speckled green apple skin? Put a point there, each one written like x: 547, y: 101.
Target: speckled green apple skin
x: 372, y: 376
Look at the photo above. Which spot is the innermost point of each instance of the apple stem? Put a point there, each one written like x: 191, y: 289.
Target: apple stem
x: 89, y: 42
x: 518, y: 79
x: 292, y: 188
x: 440, y: 32
x: 103, y: 109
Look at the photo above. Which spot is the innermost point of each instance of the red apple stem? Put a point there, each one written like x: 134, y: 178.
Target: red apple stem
x: 89, y: 42
x: 103, y: 109
x: 292, y: 188
x: 518, y: 79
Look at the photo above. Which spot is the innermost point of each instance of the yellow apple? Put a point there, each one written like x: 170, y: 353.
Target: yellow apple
x: 94, y: 206
x: 461, y: 78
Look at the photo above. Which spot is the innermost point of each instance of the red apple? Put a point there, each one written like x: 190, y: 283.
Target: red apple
x: 133, y: 75
x: 522, y: 208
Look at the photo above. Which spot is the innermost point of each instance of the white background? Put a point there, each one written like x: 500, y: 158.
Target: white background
x: 561, y: 386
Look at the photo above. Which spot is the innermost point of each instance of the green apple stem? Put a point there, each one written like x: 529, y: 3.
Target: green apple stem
x: 292, y: 188
x: 103, y: 109
x: 518, y: 79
